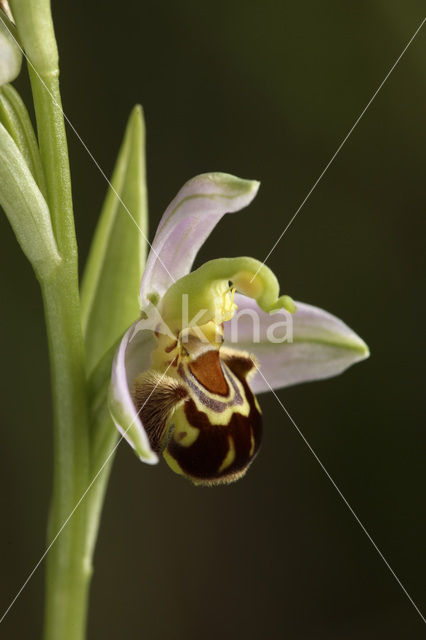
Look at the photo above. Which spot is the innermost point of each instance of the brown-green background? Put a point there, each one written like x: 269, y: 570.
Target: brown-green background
x: 263, y: 90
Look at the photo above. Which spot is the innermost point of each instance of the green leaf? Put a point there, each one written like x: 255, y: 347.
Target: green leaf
x: 26, y: 208
x: 111, y: 281
x: 14, y: 117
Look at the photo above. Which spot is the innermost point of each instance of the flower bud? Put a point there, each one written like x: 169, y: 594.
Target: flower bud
x: 10, y: 52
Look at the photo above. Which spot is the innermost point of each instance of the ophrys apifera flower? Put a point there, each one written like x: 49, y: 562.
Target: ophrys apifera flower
x: 185, y: 374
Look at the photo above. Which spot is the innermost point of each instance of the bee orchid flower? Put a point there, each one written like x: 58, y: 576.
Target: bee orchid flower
x: 185, y: 374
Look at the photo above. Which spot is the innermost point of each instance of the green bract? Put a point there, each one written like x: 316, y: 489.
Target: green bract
x: 14, y: 116
x: 26, y: 208
x: 114, y: 268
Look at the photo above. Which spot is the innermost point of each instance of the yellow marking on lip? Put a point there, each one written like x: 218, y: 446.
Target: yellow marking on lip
x: 253, y: 443
x: 257, y: 405
x: 230, y: 456
x: 184, y: 433
x: 223, y: 417
x: 172, y: 463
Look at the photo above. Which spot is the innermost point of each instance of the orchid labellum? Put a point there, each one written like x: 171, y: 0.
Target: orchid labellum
x: 186, y: 373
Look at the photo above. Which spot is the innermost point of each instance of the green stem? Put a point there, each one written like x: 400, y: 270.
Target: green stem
x: 68, y: 567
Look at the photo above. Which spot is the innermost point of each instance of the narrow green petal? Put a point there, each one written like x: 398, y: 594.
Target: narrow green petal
x: 200, y: 293
x: 14, y: 117
x: 26, y: 208
x: 114, y: 268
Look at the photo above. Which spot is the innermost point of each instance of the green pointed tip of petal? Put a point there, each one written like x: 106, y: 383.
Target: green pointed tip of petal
x: 287, y: 303
x: 361, y: 347
x: 150, y: 458
x: 136, y: 119
x: 238, y: 186
x: 351, y: 342
x: 125, y: 422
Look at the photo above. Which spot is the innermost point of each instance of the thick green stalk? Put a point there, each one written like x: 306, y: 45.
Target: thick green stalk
x: 68, y: 568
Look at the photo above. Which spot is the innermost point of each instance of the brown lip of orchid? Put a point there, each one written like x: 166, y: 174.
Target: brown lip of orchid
x: 185, y: 375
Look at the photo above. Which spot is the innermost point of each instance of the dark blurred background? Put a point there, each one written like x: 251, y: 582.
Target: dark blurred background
x: 263, y: 90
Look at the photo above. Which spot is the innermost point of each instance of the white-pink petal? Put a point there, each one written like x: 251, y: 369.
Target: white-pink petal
x: 309, y: 345
x: 187, y: 223
x: 132, y: 357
